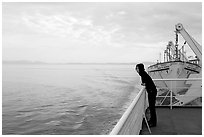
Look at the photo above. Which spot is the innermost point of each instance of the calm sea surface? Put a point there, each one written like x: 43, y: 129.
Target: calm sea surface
x: 65, y: 99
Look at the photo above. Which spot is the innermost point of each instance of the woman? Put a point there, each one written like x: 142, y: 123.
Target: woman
x: 151, y: 90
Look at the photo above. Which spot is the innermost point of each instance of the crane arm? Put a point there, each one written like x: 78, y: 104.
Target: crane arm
x: 195, y: 46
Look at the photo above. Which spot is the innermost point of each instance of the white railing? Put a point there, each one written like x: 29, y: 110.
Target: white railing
x: 131, y: 121
x: 174, y: 95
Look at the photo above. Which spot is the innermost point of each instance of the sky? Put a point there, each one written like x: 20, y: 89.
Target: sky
x: 100, y: 32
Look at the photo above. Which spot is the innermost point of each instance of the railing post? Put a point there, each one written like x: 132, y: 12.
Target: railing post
x: 171, y: 94
x: 173, y: 86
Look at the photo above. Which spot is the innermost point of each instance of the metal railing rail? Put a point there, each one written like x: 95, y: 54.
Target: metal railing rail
x: 131, y: 121
x: 179, y: 79
x: 170, y: 90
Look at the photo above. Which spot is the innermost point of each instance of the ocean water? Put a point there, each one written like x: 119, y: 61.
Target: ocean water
x: 65, y: 99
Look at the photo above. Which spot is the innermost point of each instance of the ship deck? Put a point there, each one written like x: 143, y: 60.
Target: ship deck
x: 176, y: 121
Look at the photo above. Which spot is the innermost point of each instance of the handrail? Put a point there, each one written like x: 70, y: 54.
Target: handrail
x: 127, y: 113
x: 130, y: 122
x: 193, y: 89
x: 178, y: 79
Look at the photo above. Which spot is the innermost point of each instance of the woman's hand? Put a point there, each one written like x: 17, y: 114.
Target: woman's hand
x: 143, y: 84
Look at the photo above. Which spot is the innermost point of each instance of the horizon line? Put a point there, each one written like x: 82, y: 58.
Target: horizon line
x: 42, y: 62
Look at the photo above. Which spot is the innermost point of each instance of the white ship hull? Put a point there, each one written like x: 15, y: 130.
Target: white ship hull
x: 174, y: 70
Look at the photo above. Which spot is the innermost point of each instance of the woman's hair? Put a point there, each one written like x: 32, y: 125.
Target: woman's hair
x: 140, y: 66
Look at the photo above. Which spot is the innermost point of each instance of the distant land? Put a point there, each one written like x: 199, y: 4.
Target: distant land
x: 22, y: 62
x: 26, y: 62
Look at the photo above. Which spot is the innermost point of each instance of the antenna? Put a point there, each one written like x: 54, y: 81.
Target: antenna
x: 160, y: 57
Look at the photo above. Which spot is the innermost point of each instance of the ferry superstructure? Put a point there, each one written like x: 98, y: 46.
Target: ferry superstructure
x: 181, y: 79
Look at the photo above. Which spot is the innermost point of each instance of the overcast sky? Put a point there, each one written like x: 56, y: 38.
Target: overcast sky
x: 94, y: 32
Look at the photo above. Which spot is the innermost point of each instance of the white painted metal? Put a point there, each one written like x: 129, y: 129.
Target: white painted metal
x: 195, y: 46
x: 192, y: 93
x: 131, y: 121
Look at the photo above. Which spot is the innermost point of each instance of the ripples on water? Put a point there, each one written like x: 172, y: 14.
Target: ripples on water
x: 63, y: 100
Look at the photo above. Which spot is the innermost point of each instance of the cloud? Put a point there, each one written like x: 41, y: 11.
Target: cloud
x: 70, y: 27
x: 95, y: 31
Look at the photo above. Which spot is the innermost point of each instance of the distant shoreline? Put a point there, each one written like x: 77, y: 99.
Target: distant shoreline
x: 70, y: 63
